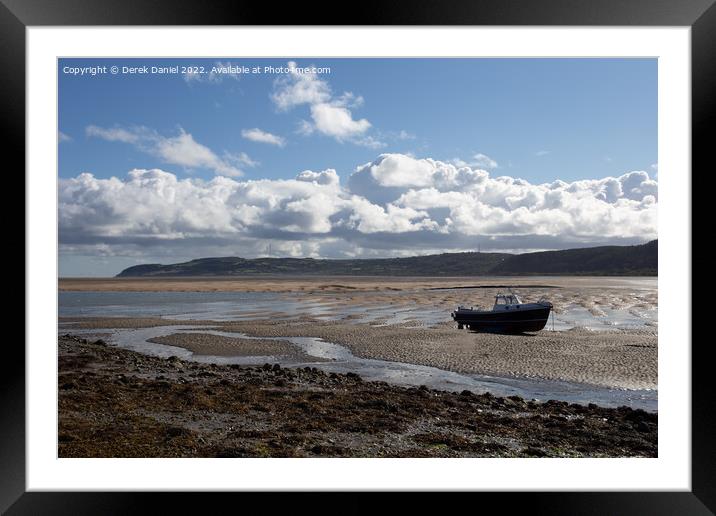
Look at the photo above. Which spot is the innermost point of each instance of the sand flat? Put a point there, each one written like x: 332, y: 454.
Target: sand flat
x: 217, y: 345
x: 364, y: 312
x: 625, y: 359
x: 320, y: 284
x: 343, y: 295
x: 622, y: 359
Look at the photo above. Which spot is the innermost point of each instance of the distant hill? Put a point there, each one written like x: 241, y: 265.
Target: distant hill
x: 637, y: 260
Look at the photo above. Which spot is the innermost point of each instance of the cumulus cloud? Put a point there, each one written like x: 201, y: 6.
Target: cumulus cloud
x: 257, y: 135
x: 327, y: 177
x: 182, y: 149
x: 156, y: 205
x: 337, y: 121
x: 330, y: 115
x: 296, y: 88
x: 395, y: 205
x: 484, y: 161
x: 478, y: 160
x: 470, y: 202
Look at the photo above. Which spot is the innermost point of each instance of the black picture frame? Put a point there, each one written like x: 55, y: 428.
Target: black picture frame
x: 700, y: 15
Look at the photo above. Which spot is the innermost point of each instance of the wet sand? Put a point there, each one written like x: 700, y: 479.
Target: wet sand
x: 90, y: 323
x: 118, y: 403
x: 172, y: 407
x: 348, y: 295
x: 217, y: 345
x: 615, y: 359
x: 621, y: 359
x: 317, y: 284
x: 268, y: 283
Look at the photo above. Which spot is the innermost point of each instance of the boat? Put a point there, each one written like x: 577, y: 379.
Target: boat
x: 508, y: 315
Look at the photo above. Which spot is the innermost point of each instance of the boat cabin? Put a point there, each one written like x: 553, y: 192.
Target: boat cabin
x: 505, y: 301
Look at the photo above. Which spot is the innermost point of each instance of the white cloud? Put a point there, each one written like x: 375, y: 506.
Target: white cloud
x: 305, y: 128
x: 337, y: 121
x: 327, y: 177
x: 330, y: 115
x: 395, y: 205
x: 403, y: 171
x: 471, y: 202
x: 369, y: 141
x: 180, y: 150
x: 62, y: 137
x: 185, y: 151
x: 156, y: 204
x: 483, y: 161
x: 296, y: 88
x: 240, y: 159
x: 257, y: 135
x: 541, y: 153
x: 349, y: 99
x: 116, y: 134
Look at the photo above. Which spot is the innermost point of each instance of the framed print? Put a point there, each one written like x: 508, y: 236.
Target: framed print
x: 414, y: 252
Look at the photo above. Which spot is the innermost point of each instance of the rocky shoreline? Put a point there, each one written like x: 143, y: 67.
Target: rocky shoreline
x: 118, y: 403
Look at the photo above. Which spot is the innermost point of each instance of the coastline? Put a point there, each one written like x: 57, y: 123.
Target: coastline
x: 357, y: 367
x: 118, y: 403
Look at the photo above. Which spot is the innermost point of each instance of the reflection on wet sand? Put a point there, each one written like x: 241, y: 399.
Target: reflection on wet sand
x: 397, y: 330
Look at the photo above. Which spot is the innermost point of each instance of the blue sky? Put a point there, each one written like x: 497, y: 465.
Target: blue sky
x: 538, y: 120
